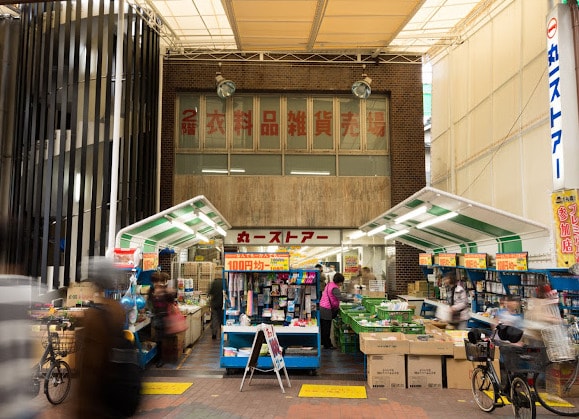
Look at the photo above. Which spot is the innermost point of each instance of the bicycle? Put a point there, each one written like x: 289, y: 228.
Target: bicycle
x: 531, y: 378
x: 51, y: 368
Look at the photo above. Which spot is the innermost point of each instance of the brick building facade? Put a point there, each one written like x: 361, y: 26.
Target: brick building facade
x: 402, y: 82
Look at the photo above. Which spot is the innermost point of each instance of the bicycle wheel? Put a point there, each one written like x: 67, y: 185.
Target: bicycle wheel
x: 559, y: 393
x: 483, y: 389
x: 522, y: 399
x: 57, y: 382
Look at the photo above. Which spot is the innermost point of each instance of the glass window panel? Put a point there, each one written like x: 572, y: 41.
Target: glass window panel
x: 323, y: 124
x: 188, y: 123
x: 269, y: 122
x: 364, y: 165
x: 349, y: 124
x: 297, y: 124
x: 242, y: 122
x: 377, y: 130
x: 252, y: 164
x: 197, y: 164
x: 215, y: 125
x: 310, y: 165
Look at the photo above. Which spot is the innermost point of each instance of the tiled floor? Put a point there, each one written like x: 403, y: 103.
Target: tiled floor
x: 214, y: 394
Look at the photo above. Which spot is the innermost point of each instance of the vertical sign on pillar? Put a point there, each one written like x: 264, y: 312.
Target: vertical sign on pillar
x: 564, y: 205
x: 562, y: 98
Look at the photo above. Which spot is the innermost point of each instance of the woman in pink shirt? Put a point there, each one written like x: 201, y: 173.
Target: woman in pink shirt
x: 329, y: 308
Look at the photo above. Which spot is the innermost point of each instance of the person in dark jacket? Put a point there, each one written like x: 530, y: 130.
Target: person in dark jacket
x: 216, y: 304
x: 160, y: 299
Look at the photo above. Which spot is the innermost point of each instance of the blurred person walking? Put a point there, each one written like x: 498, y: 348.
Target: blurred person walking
x: 160, y: 299
x: 104, y: 390
x: 15, y: 328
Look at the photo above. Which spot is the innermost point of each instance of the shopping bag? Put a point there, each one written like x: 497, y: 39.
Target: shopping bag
x: 175, y: 322
x: 444, y: 313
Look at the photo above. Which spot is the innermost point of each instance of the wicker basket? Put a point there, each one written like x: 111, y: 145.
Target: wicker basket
x: 63, y: 343
x: 556, y: 339
x: 480, y: 351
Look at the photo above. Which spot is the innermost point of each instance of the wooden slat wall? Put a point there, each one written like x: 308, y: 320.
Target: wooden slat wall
x: 332, y: 202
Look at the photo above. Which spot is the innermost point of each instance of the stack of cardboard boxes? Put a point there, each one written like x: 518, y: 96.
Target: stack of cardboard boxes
x: 435, y: 359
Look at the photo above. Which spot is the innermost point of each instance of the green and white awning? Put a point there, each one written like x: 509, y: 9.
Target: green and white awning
x: 456, y: 225
x: 176, y: 228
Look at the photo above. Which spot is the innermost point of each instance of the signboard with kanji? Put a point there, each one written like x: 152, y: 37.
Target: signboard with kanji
x: 425, y: 259
x: 475, y: 260
x: 511, y: 261
x: 565, y: 208
x: 257, y: 261
x: 447, y: 259
x: 284, y: 237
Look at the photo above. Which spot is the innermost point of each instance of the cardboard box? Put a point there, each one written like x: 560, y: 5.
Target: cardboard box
x: 424, y: 371
x: 459, y: 373
x: 420, y: 285
x: 430, y: 344
x: 386, y: 371
x: 558, y: 375
x: 383, y: 343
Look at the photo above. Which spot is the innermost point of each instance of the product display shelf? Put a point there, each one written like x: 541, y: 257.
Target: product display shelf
x: 241, y: 337
x: 489, y: 285
x: 300, y: 343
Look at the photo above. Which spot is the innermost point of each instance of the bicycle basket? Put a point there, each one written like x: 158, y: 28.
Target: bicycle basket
x: 519, y: 359
x: 480, y: 351
x: 64, y: 342
x: 558, y: 344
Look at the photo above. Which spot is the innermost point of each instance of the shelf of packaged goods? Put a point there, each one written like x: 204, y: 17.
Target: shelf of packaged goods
x: 242, y: 336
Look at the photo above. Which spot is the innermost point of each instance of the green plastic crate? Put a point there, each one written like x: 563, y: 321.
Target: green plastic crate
x: 349, y: 348
x: 348, y: 338
x: 410, y: 329
x: 399, y: 315
x: 371, y: 302
x: 370, y: 327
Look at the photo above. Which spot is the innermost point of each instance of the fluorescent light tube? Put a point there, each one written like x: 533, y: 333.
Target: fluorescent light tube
x: 237, y: 171
x: 396, y: 234
x: 220, y: 171
x: 205, y: 218
x: 411, y: 214
x: 432, y: 221
x: 376, y: 230
x: 312, y: 173
x: 184, y: 227
x: 357, y: 234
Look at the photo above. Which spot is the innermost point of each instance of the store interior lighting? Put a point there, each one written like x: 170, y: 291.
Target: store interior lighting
x: 203, y: 217
x: 184, y: 227
x: 436, y: 220
x: 357, y: 234
x: 415, y: 212
x: 376, y: 230
x: 396, y: 234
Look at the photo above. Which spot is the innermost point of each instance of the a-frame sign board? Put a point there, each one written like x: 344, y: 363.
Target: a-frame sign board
x: 266, y: 334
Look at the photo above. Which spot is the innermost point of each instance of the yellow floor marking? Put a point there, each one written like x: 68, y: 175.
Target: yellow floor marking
x: 164, y: 388
x: 338, y: 392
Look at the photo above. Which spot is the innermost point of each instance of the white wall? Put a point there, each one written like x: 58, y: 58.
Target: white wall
x: 490, y: 107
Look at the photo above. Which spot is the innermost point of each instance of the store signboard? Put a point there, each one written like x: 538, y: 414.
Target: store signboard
x: 284, y: 237
x: 564, y: 204
x: 425, y: 259
x: 511, y: 261
x: 257, y: 261
x: 475, y: 260
x: 447, y: 259
x: 562, y: 98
